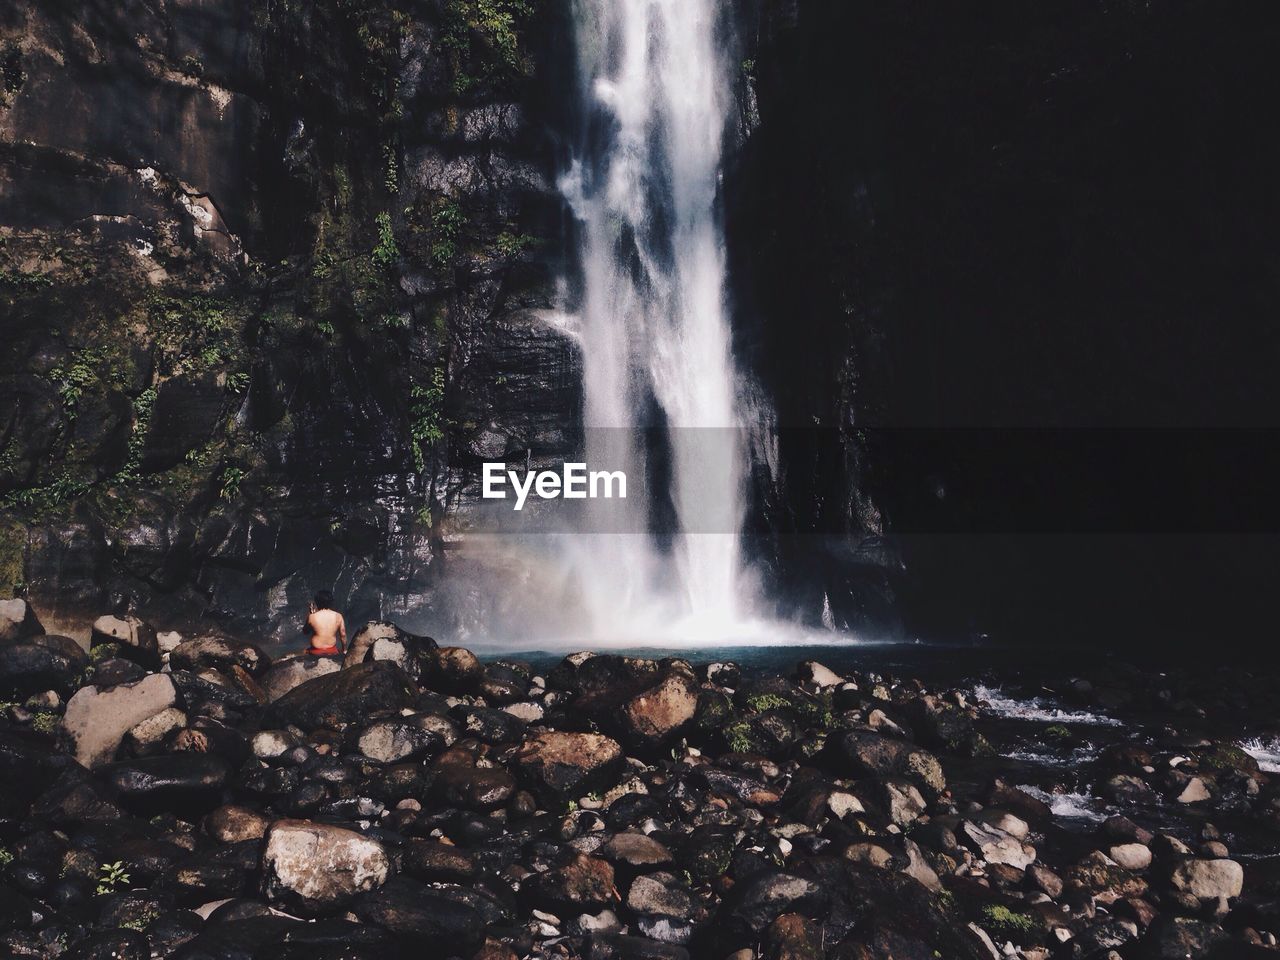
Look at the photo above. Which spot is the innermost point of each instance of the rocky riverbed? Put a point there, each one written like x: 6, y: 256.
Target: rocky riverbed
x: 192, y: 797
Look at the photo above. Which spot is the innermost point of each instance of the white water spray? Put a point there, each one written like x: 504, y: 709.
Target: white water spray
x: 652, y: 318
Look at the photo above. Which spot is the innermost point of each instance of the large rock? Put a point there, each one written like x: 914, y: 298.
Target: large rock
x: 603, y: 681
x: 811, y: 673
x: 290, y: 672
x: 383, y: 640
x: 489, y: 725
x: 406, y: 738
x: 864, y: 753
x: 584, y: 884
x: 995, y: 846
x: 1208, y: 879
x: 652, y: 897
x: 27, y: 668
x: 659, y: 713
x: 635, y: 849
x: 18, y: 621
x: 137, y: 639
x: 560, y: 765
x: 424, y: 918
x: 179, y: 782
x: 767, y: 895
x: 151, y: 732
x: 437, y: 862
x: 233, y: 824
x: 453, y: 670
x: 316, y: 868
x: 221, y: 653
x: 1177, y: 938
x: 902, y: 801
x: 460, y: 782
x: 348, y: 696
x: 96, y: 720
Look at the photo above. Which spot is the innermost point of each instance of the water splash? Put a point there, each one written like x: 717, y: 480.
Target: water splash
x: 1072, y: 805
x: 651, y: 315
x: 1266, y: 750
x: 1037, y: 708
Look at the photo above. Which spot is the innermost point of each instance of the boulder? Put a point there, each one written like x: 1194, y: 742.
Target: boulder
x: 152, y: 731
x: 1018, y: 801
x: 114, y: 671
x: 996, y: 846
x: 558, y: 765
x: 273, y: 744
x: 489, y: 725
x: 940, y: 724
x: 423, y: 918
x: 731, y: 783
x: 1131, y: 856
x: 869, y: 853
x: 901, y: 801
x: 405, y: 649
x: 656, y: 715
x: 452, y: 670
x: 406, y: 738
x: 793, y: 937
x: 96, y: 720
x: 707, y: 852
x: 18, y: 621
x: 348, y: 696
x: 210, y: 690
x: 27, y: 668
x: 437, y: 862
x: 635, y: 849
x: 234, y: 824
x: 460, y: 782
x: 290, y: 672
x: 177, y: 782
x: 584, y: 884
x: 503, y: 683
x: 220, y: 653
x: 1208, y: 879
x: 1177, y: 938
x: 864, y: 753
x: 655, y: 897
x: 769, y: 894
x: 315, y: 868
x: 1127, y: 789
x: 1196, y: 790
x: 811, y: 673
x: 136, y: 638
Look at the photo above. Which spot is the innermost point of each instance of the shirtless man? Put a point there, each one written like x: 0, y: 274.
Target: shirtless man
x: 327, y: 628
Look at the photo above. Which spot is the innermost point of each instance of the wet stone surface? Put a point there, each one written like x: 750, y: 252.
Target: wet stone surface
x: 746, y: 811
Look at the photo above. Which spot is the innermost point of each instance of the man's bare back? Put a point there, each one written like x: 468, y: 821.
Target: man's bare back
x: 328, y: 628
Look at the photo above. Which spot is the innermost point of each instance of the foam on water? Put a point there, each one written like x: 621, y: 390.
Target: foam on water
x: 1037, y: 708
x: 1046, y: 758
x: 1071, y: 805
x: 1266, y: 750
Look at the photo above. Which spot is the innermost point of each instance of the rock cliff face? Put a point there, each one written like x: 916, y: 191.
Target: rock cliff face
x: 276, y: 276
x: 1038, y: 217
x: 272, y: 276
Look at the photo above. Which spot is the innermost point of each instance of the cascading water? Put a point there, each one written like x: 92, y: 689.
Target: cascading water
x: 651, y: 314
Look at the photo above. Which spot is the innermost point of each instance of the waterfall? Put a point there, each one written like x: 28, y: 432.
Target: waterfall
x: 651, y: 315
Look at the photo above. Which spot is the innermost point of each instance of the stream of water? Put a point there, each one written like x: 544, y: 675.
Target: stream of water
x: 651, y: 315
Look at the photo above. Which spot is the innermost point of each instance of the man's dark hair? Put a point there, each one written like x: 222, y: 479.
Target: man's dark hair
x: 324, y: 600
